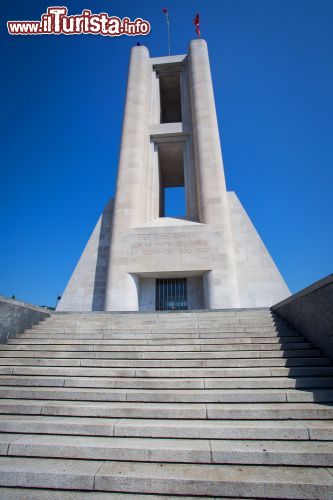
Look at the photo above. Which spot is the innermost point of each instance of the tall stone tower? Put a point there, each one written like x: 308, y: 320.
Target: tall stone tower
x: 139, y: 260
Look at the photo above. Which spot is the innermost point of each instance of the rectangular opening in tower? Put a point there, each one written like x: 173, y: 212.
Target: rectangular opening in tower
x: 171, y: 294
x: 172, y: 182
x: 171, y: 110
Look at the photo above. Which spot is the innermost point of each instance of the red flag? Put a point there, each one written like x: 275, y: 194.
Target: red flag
x: 196, y: 22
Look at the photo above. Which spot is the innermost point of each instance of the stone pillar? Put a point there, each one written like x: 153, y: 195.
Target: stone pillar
x: 220, y: 284
x: 121, y: 289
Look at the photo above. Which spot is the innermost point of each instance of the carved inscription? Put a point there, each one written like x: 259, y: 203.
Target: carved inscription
x: 168, y: 244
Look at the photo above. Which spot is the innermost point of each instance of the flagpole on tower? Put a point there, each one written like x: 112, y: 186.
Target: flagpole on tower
x: 169, y: 38
x: 167, y: 18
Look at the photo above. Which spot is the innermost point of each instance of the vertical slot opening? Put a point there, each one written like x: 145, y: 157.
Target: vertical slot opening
x: 172, y: 183
x: 170, y: 96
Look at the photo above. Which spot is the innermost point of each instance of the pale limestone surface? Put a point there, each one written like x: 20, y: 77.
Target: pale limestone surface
x: 259, y: 281
x: 214, y: 245
x: 86, y: 288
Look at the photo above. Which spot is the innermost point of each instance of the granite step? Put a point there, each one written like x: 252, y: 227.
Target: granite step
x: 124, y: 372
x: 162, y: 316
x: 168, y: 479
x: 215, y: 451
x: 88, y: 353
x: 167, y: 318
x: 239, y: 411
x: 48, y: 494
x: 168, y: 395
x: 167, y: 315
x: 167, y: 321
x: 240, y: 327
x: 167, y: 363
x: 164, y: 326
x: 268, y: 382
x: 169, y: 428
x: 154, y: 336
x: 158, y: 342
x: 160, y: 348
x: 189, y: 333
x: 168, y: 327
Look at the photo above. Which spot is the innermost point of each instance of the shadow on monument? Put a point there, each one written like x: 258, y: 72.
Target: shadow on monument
x: 102, y: 259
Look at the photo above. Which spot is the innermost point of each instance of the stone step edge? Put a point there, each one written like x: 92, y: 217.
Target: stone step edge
x: 163, y: 478
x: 7, y: 493
x: 235, y: 355
x: 141, y: 449
x: 135, y: 363
x: 164, y: 429
x: 188, y: 411
x: 175, y: 373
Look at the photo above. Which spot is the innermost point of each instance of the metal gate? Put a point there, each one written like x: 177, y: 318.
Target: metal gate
x: 171, y: 294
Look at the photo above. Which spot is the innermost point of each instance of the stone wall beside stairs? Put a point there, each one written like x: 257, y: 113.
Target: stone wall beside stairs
x: 310, y: 311
x: 15, y: 317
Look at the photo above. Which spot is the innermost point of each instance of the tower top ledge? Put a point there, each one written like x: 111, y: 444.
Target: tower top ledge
x: 175, y: 58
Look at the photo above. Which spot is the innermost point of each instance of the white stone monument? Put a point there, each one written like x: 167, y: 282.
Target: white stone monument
x: 138, y: 260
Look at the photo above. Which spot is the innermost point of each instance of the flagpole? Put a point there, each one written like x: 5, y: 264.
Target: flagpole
x: 169, y: 37
x: 167, y: 18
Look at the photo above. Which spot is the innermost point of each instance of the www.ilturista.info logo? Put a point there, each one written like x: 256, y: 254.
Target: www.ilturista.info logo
x: 56, y: 22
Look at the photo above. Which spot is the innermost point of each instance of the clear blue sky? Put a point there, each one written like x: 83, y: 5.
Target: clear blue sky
x: 62, y: 103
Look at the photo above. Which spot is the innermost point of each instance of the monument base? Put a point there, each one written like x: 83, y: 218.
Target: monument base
x: 168, y: 248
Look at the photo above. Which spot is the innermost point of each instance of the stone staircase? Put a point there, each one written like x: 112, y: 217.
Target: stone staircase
x: 223, y: 404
